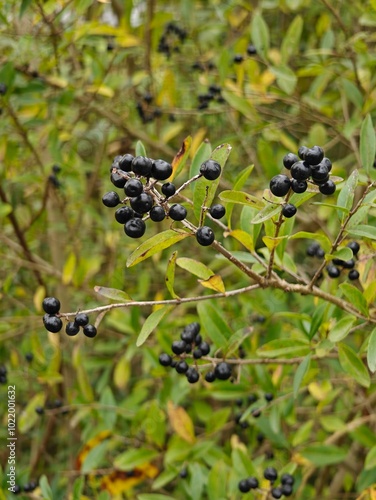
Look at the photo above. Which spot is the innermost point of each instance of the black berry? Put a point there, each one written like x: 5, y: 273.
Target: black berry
x: 286, y: 490
x: 289, y: 160
x: 314, y: 155
x: 39, y: 410
x: 353, y: 274
x: 90, y: 331
x: 210, y: 376
x: 52, y: 323
x: 157, y: 213
x: 72, y: 328
x: 198, y: 339
x: 280, y: 185
x: 204, y: 348
x: 205, y: 236
x: 165, y: 359
x: 270, y: 474
x: 252, y: 398
x: 287, y: 479
x: 168, y: 189
x: 312, y: 249
x: 124, y: 214
x: 51, y: 305
x: 110, y: 199
x: 142, y: 203
x: 289, y: 210
x: 355, y: 247
x: 253, y: 482
x: 135, y: 228
x: 276, y: 493
x: 81, y: 319
x: 181, y: 366
x: 268, y: 396
x: 177, y: 212
x: 142, y: 166
x: 320, y: 174
x: 3, y: 88
x: 302, y: 152
x: 125, y: 163
x: 244, y: 486
x: 251, y: 50
x: 118, y: 178
x: 197, y: 353
x: 211, y: 170
x: 298, y: 186
x: 223, y: 371
x: 161, y: 170
x: 133, y: 187
x: 192, y: 375
x: 238, y: 58
x: 328, y: 187
x: 178, y: 346
x: 256, y: 413
x: 217, y: 211
x: 333, y: 271
x: 300, y: 171
x: 183, y: 473
x: 29, y: 356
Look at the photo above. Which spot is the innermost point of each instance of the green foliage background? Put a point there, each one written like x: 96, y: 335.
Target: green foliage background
x: 75, y: 72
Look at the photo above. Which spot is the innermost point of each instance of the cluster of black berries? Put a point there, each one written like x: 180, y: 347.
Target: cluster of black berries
x: 334, y: 268
x: 139, y: 177
x: 213, y: 94
x: 203, y: 66
x: 26, y: 488
x: 309, y: 166
x: 271, y: 474
x: 51, y: 405
x: 3, y: 374
x: 251, y: 51
x: 256, y: 412
x: 53, y: 177
x: 145, y: 111
x: 173, y: 36
x: 52, y: 322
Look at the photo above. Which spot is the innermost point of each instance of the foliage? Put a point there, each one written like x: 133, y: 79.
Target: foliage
x: 244, y: 83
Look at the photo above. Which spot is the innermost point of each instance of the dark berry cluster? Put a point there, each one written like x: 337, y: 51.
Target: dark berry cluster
x: 309, y: 166
x: 50, y: 405
x: 270, y: 474
x: 3, y: 374
x: 255, y: 412
x: 26, y: 488
x: 213, y: 94
x: 173, y: 36
x: 52, y: 322
x: 145, y: 111
x: 53, y: 177
x: 336, y: 266
x: 239, y: 58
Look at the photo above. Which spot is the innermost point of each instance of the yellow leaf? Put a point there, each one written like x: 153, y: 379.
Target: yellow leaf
x: 56, y: 81
x: 320, y: 391
x: 121, y: 373
x: 272, y: 243
x: 197, y: 139
x: 101, y: 90
x: 127, y: 41
x: 89, y: 445
x: 244, y: 238
x: 214, y: 283
x: 39, y: 295
x: 181, y: 422
x: 119, y: 481
x: 69, y: 268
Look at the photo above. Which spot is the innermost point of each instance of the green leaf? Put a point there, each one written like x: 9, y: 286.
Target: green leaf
x: 45, y: 488
x: 291, y: 39
x: 319, y: 237
x: 5, y: 209
x: 271, y: 210
x: 140, y: 149
x: 195, y: 267
x: 353, y: 365
x: 241, y: 104
x: 284, y: 347
x: 286, y: 78
x: 300, y: 374
x: 239, y: 197
x: 211, y: 319
x: 107, y: 413
x: 156, y: 244
x: 151, y: 323
x: 322, y: 455
x: 367, y: 143
x: 78, y: 487
x: 352, y: 92
x: 170, y: 275
x: 363, y: 231
x: 344, y: 253
x: 153, y: 496
x: 28, y: 417
x: 371, y: 351
x: 370, y: 461
x: 201, y: 155
x: 94, y: 459
x: 355, y: 297
x: 217, y: 481
x: 346, y: 196
x: 341, y: 329
x: 361, y: 214
x: 134, y: 458
x: 260, y: 34
x: 317, y: 319
x: 25, y: 4
x: 113, y: 294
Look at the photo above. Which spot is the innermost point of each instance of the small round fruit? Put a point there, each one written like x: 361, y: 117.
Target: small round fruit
x: 157, y: 213
x: 333, y: 271
x: 286, y: 490
x: 52, y: 323
x: 204, y: 348
x: 119, y: 178
x: 256, y: 413
x: 124, y: 214
x: 251, y: 50
x: 349, y: 264
x: 238, y: 58
x: 3, y: 89
x: 188, y: 348
x: 110, y: 199
x: 125, y: 162
x: 276, y: 493
x: 244, y: 486
x: 198, y: 339
x: 178, y: 346
x: 183, y: 473
x: 289, y: 210
x: 320, y: 174
x: 29, y: 356
x: 197, y: 353
x: 142, y: 166
x: 327, y: 188
x: 253, y: 482
x: 289, y: 160
x: 205, y: 236
x: 168, y: 189
x: 51, y: 305
x: 165, y: 359
x: 210, y: 377
x: 287, y: 479
x: 302, y: 152
x: 192, y: 375
x: 299, y: 186
x: 193, y: 327
x: 271, y: 474
x: 72, y: 328
x: 328, y: 164
x: 135, y: 228
x: 223, y: 371
x: 39, y: 410
x: 252, y: 398
x: 268, y: 396
x: 355, y: 247
x: 211, y: 170
x: 90, y: 331
x: 280, y: 185
x: 133, y: 187
x: 182, y: 366
x: 177, y: 212
x: 188, y: 336
x: 217, y: 211
x: 161, y: 170
x: 312, y: 249
x: 314, y: 155
x: 3, y: 370
x: 81, y: 319
x: 142, y: 203
x: 353, y: 274
x: 300, y: 171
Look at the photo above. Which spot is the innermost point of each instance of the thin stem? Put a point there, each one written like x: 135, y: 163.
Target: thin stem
x: 278, y: 226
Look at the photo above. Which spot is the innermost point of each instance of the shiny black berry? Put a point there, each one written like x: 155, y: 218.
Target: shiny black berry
x: 133, y: 187
x: 90, y: 331
x: 51, y: 305
x: 298, y: 186
x: 256, y: 413
x: 135, y: 228
x: 287, y: 479
x: 3, y: 89
x: 161, y: 170
x: 244, y: 486
x: 276, y: 493
x: 314, y: 155
x: 320, y: 174
x: 142, y: 166
x: 110, y: 199
x: 192, y: 375
x: 333, y: 271
x: 118, y: 178
x: 289, y: 160
x: 178, y: 346
x: 252, y: 398
x: 39, y: 410
x: 211, y: 170
x: 181, y: 366
x: 125, y: 162
x: 326, y: 162
x: 300, y: 171
x: 210, y: 376
x: 268, y: 397
x: 223, y: 371
x: 198, y: 339
x: 280, y: 185
x: 188, y: 336
x: 286, y: 490
x: 328, y: 187
x: 165, y: 359
x: 353, y: 274
x: 251, y: 50
x: 217, y: 211
x: 197, y: 353
x: 157, y: 213
x: 289, y: 210
x: 124, y: 214
x: 271, y: 474
x: 168, y: 189
x: 52, y: 323
x: 177, y: 212
x: 205, y: 236
x: 183, y: 473
x: 302, y: 152
x: 81, y: 319
x: 142, y: 203
x: 355, y: 247
x: 238, y: 58
x: 204, y: 348
x: 29, y: 356
x: 253, y: 482
x: 72, y: 328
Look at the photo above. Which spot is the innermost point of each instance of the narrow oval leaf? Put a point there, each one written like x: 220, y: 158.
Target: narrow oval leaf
x: 341, y: 329
x: 371, y: 351
x: 170, y: 275
x: 363, y: 231
x: 214, y: 283
x: 300, y: 374
x: 181, y: 422
x: 286, y: 78
x: 344, y: 253
x: 113, y: 293
x: 156, y: 244
x: 201, y: 155
x: 28, y: 416
x: 367, y: 143
x: 353, y: 365
x: 370, y: 461
x: 290, y: 42
x: 241, y: 198
x: 140, y: 149
x: 323, y: 454
x: 133, y: 458
x: 151, y: 323
x: 260, y: 34
x: 181, y: 157
x: 355, y: 297
x: 195, y: 267
x: 211, y: 319
x: 244, y: 238
x: 346, y: 196
x: 270, y: 210
x: 284, y: 347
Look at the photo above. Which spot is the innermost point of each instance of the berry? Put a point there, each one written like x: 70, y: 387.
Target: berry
x: 252, y: 398
x: 165, y: 359
x: 289, y: 160
x: 268, y: 396
x: 181, y: 366
x: 300, y: 171
x: 312, y: 249
x: 168, y: 189
x: 205, y: 236
x: 204, y: 348
x: 81, y: 319
x: 29, y: 487
x: 161, y: 170
x: 328, y: 164
x: 110, y: 199
x: 314, y: 155
x: 244, y: 486
x: 39, y: 410
x: 353, y: 274
x: 125, y: 163
x: 349, y: 264
x: 177, y: 212
x: 256, y: 413
x: 135, y: 228
x: 289, y: 210
x: 157, y: 213
x: 286, y: 490
x: 124, y: 214
x: 51, y: 305
x: 72, y: 328
x: 251, y: 50
x: 3, y: 88
x: 328, y: 187
x: 223, y: 371
x: 253, y: 482
x: 57, y: 403
x: 198, y: 339
x: 197, y: 353
x: 173, y: 363
x: 142, y: 203
x: 210, y: 377
x: 280, y: 185
x: 211, y: 170
x: 260, y: 438
x: 276, y: 493
x: 3, y: 370
x: 299, y: 186
x: 192, y: 375
x: 270, y: 474
x: 90, y: 331
x: 187, y: 335
x: 320, y: 253
x: 217, y: 211
x: 142, y: 166
x: 287, y: 479
x: 118, y: 178
x: 52, y: 323
x: 355, y: 247
x: 178, y: 346
x: 133, y: 187
x: 193, y: 327
x: 29, y: 356
x: 333, y: 271
x: 302, y: 152
x: 320, y: 174
x: 188, y: 348
x: 183, y: 473
x: 238, y: 58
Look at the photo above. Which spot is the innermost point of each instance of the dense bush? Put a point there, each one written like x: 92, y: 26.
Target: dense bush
x: 222, y: 343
